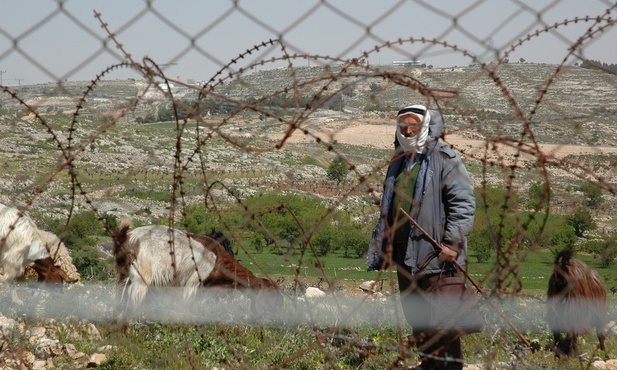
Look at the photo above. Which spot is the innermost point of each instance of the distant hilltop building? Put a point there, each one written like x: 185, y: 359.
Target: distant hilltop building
x: 409, y: 64
x: 164, y: 88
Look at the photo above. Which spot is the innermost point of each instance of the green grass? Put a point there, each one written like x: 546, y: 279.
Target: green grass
x: 535, y: 270
x: 181, y: 347
x: 496, y: 346
x: 266, y: 344
x: 172, y: 346
x: 334, y: 266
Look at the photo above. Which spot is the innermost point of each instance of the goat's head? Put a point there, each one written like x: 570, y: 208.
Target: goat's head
x: 49, y: 273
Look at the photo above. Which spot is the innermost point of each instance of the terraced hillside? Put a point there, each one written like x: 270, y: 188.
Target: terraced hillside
x: 576, y: 95
x: 583, y: 99
x: 128, y: 168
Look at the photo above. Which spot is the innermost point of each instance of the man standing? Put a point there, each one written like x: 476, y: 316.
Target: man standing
x: 426, y: 179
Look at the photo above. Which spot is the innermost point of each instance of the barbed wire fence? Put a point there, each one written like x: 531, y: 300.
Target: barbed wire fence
x: 511, y: 154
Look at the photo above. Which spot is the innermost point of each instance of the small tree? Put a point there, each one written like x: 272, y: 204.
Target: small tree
x: 593, y: 193
x: 563, y: 238
x: 355, y: 244
x: 258, y: 241
x: 539, y: 195
x: 351, y: 238
x: 337, y: 171
x: 200, y: 220
x: 324, y: 240
x: 164, y: 113
x: 481, y: 243
x: 149, y: 118
x: 603, y: 249
x: 581, y: 221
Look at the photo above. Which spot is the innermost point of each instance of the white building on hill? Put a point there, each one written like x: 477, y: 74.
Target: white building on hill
x: 408, y: 63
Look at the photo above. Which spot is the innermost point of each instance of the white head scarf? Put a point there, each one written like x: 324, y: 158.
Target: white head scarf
x: 416, y: 143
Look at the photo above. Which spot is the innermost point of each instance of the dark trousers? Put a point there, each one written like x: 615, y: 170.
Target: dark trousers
x: 436, y: 346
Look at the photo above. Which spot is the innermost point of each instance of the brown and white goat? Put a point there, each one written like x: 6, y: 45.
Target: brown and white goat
x: 577, y: 303
x: 23, y: 245
x: 160, y: 256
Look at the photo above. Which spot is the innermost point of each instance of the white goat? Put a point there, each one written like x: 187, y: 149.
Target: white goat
x: 157, y: 255
x: 22, y: 244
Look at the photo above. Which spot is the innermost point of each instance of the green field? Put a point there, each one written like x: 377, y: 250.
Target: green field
x: 534, y: 272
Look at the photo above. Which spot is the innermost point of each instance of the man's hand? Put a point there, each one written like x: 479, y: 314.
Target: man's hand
x: 446, y: 254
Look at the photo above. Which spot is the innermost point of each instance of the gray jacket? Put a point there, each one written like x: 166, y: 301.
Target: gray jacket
x: 446, y: 209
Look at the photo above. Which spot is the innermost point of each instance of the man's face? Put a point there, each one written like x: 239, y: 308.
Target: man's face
x: 410, y: 125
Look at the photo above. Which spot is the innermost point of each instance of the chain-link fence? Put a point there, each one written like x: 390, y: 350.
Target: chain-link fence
x: 162, y: 114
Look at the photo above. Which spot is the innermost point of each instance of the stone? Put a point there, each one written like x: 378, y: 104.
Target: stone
x: 96, y: 359
x: 48, y: 348
x: 312, y: 292
x: 369, y: 286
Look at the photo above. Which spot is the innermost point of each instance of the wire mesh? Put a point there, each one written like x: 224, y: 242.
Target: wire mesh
x: 274, y: 115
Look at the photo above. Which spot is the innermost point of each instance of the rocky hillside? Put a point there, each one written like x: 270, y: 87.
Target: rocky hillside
x: 127, y: 168
x: 569, y: 104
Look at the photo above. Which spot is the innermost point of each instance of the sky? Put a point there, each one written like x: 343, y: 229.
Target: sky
x: 48, y: 41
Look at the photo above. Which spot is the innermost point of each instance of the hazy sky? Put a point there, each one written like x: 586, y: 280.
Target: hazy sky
x: 43, y: 41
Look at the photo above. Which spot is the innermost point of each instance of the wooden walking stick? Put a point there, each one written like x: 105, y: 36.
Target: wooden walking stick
x: 503, y: 316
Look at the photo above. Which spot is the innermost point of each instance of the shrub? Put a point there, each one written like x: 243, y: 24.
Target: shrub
x: 200, y: 220
x: 338, y: 170
x: 324, y: 240
x: 581, y: 221
x: 258, y: 241
x: 603, y: 249
x: 481, y: 244
x: 538, y: 195
x: 593, y: 194
x: 81, y: 237
x: 564, y: 237
x: 84, y: 228
x: 354, y: 242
